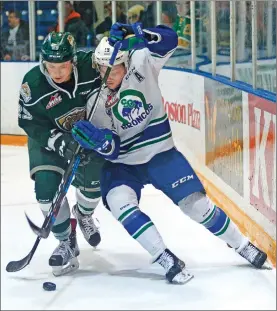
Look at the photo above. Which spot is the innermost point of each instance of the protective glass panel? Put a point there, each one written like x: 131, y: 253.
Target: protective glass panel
x: 14, y: 31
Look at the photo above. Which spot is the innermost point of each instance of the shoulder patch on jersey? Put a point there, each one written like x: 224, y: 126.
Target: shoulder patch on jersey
x: 25, y: 92
x: 70, y: 40
x: 34, y: 87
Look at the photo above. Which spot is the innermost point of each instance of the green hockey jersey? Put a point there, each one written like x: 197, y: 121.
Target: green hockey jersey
x: 45, y: 107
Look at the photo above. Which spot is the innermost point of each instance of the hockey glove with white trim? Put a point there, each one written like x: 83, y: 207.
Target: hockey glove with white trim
x: 65, y: 145
x: 91, y: 137
x: 119, y: 32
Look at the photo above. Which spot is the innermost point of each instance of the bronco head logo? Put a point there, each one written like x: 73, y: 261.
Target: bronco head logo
x: 131, y: 107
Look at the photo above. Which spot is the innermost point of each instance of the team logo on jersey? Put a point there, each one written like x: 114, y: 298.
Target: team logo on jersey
x: 25, y: 92
x: 66, y: 121
x: 54, y: 100
x: 111, y: 101
x: 131, y: 109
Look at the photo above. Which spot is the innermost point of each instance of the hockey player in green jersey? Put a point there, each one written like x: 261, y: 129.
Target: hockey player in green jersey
x: 53, y: 97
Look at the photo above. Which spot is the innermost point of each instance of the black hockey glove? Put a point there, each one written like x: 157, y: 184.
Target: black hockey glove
x: 65, y: 146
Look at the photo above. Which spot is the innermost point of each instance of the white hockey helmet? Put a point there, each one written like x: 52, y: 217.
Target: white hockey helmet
x: 104, y: 51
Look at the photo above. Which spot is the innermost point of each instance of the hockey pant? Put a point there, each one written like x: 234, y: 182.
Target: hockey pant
x: 171, y: 173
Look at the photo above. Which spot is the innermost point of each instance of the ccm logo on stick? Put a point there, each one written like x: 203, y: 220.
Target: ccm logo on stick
x: 182, y: 180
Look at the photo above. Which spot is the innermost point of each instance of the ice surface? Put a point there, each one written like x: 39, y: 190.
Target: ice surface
x: 118, y: 275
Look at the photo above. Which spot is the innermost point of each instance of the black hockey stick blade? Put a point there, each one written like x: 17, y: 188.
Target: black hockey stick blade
x: 40, y: 232
x: 14, y: 266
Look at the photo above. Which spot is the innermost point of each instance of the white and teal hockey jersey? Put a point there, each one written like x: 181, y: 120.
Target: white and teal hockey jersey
x: 136, y: 112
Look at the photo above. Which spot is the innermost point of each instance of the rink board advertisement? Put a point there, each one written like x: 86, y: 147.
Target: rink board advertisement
x: 183, y: 99
x: 262, y: 161
x: 219, y: 149
x: 224, y: 133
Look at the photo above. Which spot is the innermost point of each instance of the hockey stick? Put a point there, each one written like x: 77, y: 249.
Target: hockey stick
x: 48, y: 223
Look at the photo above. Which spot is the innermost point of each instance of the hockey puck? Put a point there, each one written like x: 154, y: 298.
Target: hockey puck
x: 49, y: 286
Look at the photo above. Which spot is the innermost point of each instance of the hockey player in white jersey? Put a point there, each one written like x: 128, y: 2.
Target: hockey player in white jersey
x: 130, y: 128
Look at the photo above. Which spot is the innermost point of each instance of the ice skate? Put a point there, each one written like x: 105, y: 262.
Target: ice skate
x: 88, y: 227
x: 252, y: 253
x: 174, y: 267
x: 64, y: 258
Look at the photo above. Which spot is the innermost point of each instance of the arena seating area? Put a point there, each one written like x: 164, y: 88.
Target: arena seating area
x: 46, y: 16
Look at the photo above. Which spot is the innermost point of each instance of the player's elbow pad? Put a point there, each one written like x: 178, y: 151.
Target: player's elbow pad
x: 161, y: 39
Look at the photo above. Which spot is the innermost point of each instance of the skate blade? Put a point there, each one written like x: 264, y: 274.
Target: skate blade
x: 267, y: 266
x: 72, y: 266
x: 182, y: 278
